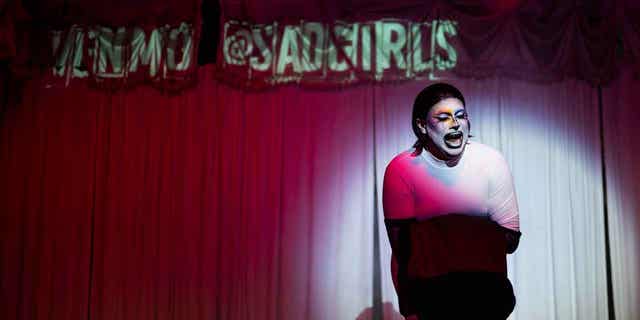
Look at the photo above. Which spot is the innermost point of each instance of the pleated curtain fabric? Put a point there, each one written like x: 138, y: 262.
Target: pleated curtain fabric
x: 622, y: 154
x: 225, y: 204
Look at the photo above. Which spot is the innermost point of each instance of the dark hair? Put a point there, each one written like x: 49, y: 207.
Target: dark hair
x: 424, y: 101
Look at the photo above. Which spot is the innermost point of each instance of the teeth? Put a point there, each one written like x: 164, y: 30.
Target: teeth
x: 455, y: 143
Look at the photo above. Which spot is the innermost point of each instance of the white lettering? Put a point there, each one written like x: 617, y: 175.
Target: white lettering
x: 366, y: 48
x: 289, y: 53
x: 419, y: 65
x: 446, y: 27
x: 263, y: 49
x: 110, y: 47
x: 388, y: 45
x: 312, y: 50
x: 147, y: 53
x: 186, y: 50
x: 350, y: 35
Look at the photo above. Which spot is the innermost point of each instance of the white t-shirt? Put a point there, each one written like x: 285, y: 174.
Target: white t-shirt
x: 423, y: 187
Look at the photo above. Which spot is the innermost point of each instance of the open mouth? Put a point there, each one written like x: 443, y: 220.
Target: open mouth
x: 453, y: 139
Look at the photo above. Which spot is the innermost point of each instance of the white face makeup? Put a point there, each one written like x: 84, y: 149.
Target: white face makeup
x: 447, y: 125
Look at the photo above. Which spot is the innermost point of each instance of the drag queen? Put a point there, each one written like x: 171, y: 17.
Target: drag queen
x: 451, y: 215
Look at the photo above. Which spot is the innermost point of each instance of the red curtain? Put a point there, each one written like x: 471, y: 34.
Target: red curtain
x: 48, y: 176
x: 223, y: 204
x: 212, y: 204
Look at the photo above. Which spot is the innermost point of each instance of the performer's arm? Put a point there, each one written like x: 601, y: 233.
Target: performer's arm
x: 503, y: 205
x: 397, y: 201
x: 399, y: 238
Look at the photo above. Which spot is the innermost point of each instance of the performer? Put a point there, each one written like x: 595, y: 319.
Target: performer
x: 451, y: 216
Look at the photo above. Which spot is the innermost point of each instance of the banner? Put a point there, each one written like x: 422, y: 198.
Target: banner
x: 114, y: 57
x: 335, y: 53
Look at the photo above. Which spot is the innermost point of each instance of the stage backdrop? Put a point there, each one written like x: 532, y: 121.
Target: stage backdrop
x: 225, y: 204
x: 138, y: 188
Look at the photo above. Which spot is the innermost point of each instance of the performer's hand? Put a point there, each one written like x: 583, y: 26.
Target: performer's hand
x: 513, y: 239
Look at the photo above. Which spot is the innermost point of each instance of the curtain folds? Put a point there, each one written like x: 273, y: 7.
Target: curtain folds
x: 214, y: 204
x: 622, y: 155
x: 223, y: 204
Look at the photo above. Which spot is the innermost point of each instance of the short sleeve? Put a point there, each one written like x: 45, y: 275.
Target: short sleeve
x: 503, y: 205
x: 397, y: 197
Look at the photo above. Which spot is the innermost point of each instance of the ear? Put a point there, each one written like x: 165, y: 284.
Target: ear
x: 421, y: 125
